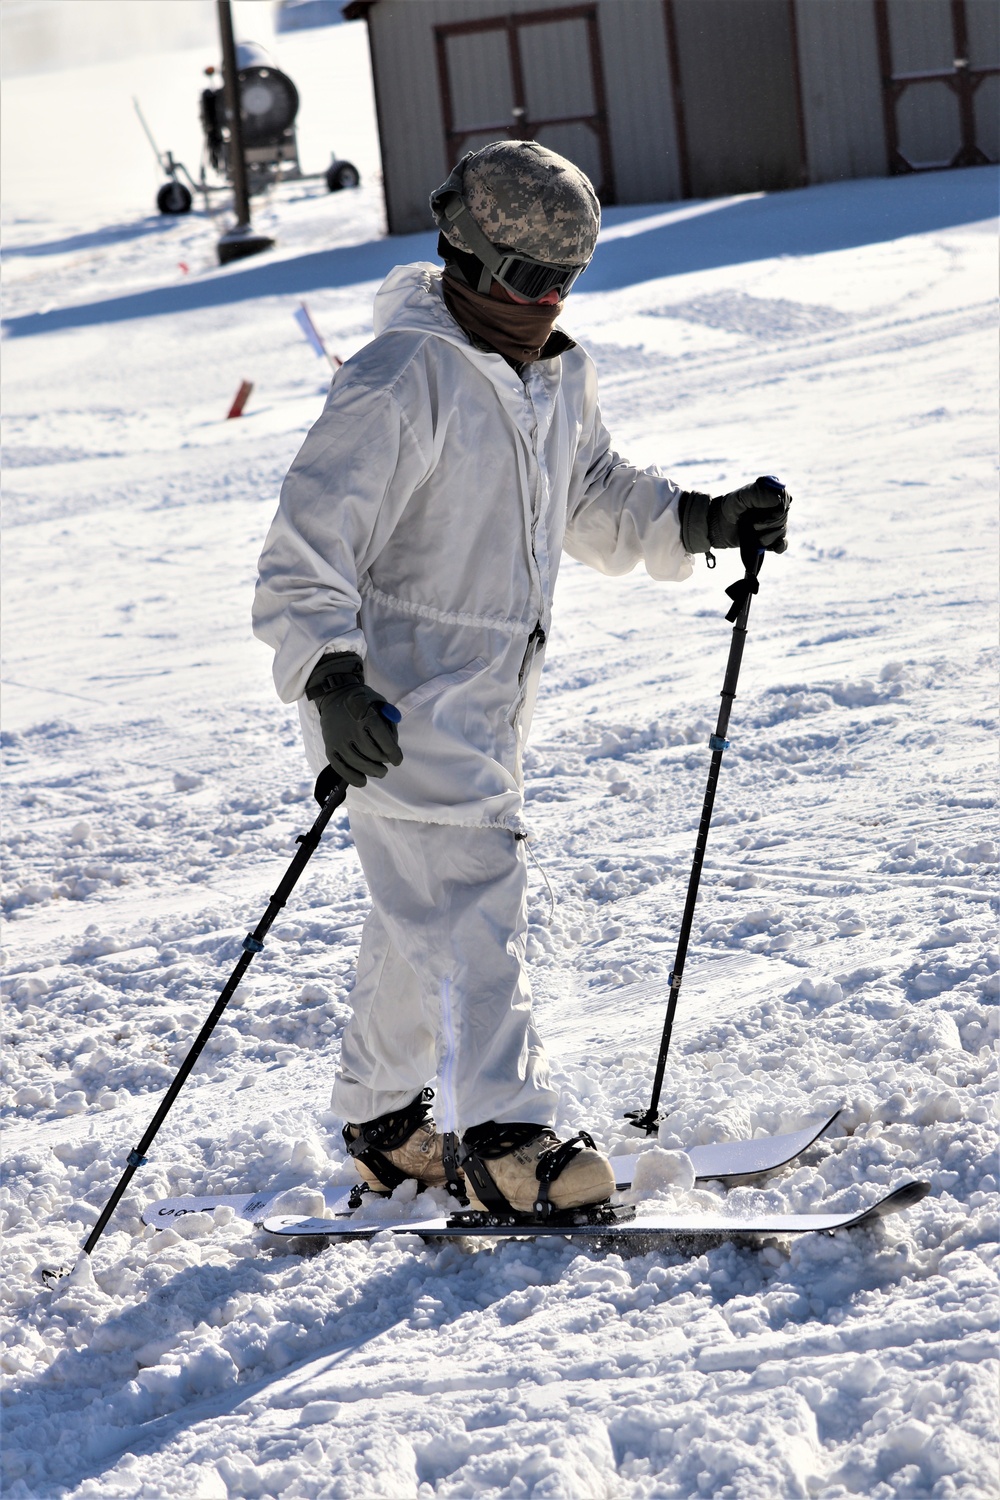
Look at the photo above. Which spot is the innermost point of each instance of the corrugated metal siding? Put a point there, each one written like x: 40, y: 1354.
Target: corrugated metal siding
x: 640, y: 106
x: 740, y: 110
x: 557, y: 80
x: 921, y: 34
x: 927, y: 114
x: 841, y: 89
x: 929, y: 125
x: 482, y: 87
x: 984, y: 33
x: 838, y: 65
x: 410, y: 113
x: 984, y: 52
x: 411, y: 127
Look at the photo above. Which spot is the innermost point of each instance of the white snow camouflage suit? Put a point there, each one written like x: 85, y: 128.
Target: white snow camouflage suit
x: 421, y: 526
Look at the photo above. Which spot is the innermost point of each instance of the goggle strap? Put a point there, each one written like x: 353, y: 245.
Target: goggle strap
x: 456, y: 213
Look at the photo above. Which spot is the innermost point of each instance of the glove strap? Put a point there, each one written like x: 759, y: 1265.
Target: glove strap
x: 333, y: 672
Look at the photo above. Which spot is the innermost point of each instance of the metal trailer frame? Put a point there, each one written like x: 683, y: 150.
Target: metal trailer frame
x: 175, y: 170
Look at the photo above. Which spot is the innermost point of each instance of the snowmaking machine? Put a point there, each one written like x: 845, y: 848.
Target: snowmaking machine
x: 269, y: 103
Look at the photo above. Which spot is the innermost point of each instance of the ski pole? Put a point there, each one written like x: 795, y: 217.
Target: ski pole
x: 330, y: 793
x: 741, y: 594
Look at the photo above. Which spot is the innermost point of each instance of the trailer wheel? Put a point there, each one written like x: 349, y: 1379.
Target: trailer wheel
x: 173, y: 198
x: 342, y: 174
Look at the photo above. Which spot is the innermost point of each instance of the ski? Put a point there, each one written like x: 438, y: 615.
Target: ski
x: 714, y: 1162
x: 734, y: 1159
x: 609, y: 1223
x: 249, y: 1206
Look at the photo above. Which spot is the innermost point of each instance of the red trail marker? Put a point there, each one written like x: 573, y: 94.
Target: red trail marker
x: 242, y: 397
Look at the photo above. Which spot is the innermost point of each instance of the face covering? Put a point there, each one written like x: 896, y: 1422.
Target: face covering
x: 517, y: 330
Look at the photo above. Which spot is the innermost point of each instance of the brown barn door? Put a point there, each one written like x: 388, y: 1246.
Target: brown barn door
x: 534, y: 76
x: 940, y: 63
x: 737, y: 100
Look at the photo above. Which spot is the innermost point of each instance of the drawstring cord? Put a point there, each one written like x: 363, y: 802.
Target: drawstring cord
x: 523, y: 837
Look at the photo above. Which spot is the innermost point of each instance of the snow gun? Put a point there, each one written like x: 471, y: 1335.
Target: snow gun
x: 269, y: 103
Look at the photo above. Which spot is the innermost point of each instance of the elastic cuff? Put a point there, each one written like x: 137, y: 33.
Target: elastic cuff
x: 693, y: 514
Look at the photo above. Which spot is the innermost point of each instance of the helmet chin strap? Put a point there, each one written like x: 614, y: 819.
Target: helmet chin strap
x: 456, y: 213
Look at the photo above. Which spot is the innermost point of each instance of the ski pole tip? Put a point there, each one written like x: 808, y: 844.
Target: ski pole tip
x: 80, y: 1273
x: 643, y: 1119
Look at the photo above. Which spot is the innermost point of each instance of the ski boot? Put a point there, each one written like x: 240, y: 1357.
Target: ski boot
x: 404, y: 1143
x: 515, y: 1172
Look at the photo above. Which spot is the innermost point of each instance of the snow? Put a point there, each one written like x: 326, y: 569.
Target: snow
x: 844, y: 946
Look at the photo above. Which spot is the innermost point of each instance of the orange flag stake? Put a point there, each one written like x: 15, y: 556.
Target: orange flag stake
x: 242, y: 397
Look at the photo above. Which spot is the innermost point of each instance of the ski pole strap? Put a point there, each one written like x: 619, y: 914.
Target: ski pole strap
x: 751, y: 555
x: 739, y: 592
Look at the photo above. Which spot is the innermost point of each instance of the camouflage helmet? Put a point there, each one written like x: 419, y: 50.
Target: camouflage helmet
x: 524, y: 198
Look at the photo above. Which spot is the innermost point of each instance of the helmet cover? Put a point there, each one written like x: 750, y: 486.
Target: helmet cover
x: 525, y: 198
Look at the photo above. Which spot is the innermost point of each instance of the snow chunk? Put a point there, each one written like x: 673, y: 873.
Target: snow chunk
x: 657, y: 1168
x: 307, y: 1201
x: 984, y: 853
x: 827, y: 991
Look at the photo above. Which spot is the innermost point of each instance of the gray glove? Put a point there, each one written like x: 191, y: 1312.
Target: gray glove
x: 707, y: 523
x: 359, y: 726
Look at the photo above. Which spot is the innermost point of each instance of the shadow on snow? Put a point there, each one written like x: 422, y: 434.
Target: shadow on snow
x: 114, y: 234
x: 807, y: 221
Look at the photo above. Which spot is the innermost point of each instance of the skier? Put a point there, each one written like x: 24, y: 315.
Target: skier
x: 405, y: 586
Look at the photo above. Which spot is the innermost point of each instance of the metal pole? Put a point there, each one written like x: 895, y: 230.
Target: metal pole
x: 149, y: 135
x: 231, y: 92
x: 239, y: 241
x: 335, y: 791
x: 741, y: 593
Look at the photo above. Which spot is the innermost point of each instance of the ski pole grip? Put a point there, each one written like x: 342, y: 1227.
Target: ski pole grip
x: 751, y: 552
x: 328, y: 782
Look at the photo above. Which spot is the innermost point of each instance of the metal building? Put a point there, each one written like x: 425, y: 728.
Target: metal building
x: 662, y: 99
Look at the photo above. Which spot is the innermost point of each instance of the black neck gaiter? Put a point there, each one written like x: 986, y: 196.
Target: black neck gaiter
x: 517, y: 330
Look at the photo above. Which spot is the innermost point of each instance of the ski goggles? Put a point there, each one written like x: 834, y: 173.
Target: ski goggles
x: 531, y: 280
x: 526, y: 279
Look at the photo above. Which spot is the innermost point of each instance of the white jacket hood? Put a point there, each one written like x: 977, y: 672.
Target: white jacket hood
x: 410, y: 298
